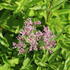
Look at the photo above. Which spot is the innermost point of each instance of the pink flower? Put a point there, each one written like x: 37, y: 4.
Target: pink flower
x: 37, y: 22
x: 33, y: 42
x: 38, y: 34
x: 52, y: 43
x: 46, y: 40
x: 33, y: 46
x: 28, y: 22
x: 14, y: 45
x: 22, y: 32
x: 19, y: 37
x: 46, y: 29
x: 20, y: 45
x: 28, y: 28
x: 21, y: 51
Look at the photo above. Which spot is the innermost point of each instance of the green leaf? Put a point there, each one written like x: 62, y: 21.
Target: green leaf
x: 3, y: 40
x: 57, y: 4
x: 26, y: 64
x: 5, y: 67
x: 45, y: 57
x: 20, y: 6
x: 38, y: 68
x: 13, y: 61
x: 67, y: 64
x: 64, y: 45
x: 7, y: 6
x: 62, y: 11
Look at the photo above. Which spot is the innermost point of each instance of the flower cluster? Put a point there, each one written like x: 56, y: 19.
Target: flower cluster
x: 29, y: 38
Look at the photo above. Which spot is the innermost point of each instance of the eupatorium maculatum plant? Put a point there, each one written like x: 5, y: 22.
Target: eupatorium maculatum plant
x: 31, y: 39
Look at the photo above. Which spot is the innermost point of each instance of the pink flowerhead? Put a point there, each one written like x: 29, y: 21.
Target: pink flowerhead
x: 46, y: 29
x: 19, y: 37
x: 21, y: 50
x: 38, y: 34
x: 52, y: 43
x: 14, y: 44
x: 20, y: 45
x: 22, y: 32
x: 28, y: 22
x: 37, y: 22
x: 46, y: 40
x: 33, y: 46
x: 28, y: 28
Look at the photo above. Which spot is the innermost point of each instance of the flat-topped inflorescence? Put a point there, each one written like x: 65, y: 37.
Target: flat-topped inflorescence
x: 29, y: 38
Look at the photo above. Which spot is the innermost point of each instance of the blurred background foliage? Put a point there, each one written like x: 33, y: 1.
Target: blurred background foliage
x: 55, y: 14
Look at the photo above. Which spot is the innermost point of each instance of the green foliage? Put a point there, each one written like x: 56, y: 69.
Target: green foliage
x: 55, y: 14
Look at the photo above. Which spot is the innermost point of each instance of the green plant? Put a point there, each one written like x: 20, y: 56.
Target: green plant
x: 55, y: 14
